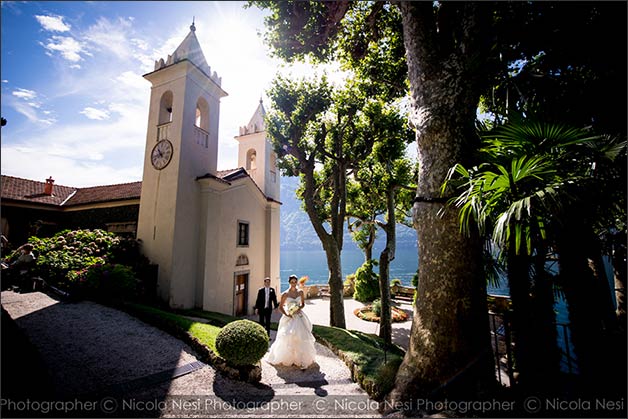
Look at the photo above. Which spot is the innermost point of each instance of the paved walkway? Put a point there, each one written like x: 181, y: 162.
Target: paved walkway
x: 104, y: 361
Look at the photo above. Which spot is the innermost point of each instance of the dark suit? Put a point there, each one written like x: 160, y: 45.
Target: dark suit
x: 265, y: 312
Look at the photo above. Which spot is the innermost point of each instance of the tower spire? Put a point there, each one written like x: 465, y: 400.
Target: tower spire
x: 192, y: 27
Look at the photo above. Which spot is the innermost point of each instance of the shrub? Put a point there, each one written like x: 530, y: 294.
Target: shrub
x: 395, y: 281
x: 377, y: 307
x: 106, y: 281
x: 349, y: 285
x: 71, y: 250
x: 242, y: 342
x: 366, y: 283
x: 64, y: 260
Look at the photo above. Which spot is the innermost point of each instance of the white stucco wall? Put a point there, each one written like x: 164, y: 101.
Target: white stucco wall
x: 170, y: 200
x: 226, y: 206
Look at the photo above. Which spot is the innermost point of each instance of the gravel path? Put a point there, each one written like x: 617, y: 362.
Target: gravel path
x: 125, y: 366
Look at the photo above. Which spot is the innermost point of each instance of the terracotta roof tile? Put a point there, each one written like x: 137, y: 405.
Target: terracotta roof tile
x: 222, y: 173
x: 33, y: 191
x: 27, y: 190
x: 106, y: 193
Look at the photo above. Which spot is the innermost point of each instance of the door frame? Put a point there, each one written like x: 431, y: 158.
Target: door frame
x: 246, y: 292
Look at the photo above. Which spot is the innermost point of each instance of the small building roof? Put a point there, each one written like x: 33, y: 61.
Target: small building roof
x: 32, y: 191
x: 106, y: 193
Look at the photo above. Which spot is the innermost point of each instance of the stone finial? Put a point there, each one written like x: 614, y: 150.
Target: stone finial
x: 192, y: 27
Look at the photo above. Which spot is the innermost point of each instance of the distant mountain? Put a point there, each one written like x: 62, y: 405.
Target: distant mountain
x: 297, y: 232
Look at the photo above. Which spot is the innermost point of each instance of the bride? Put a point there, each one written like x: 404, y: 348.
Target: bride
x: 294, y: 344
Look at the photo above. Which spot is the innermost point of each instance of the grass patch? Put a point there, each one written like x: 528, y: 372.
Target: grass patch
x: 217, y: 319
x: 203, y: 332
x: 364, y: 354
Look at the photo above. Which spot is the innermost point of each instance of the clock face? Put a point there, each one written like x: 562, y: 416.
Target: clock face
x: 161, y: 154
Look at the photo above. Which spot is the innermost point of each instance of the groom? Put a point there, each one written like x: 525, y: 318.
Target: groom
x: 265, y: 303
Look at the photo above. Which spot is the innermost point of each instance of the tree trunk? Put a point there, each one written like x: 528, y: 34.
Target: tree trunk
x: 602, y: 290
x: 543, y: 318
x: 584, y: 317
x: 619, y: 274
x: 387, y: 255
x: 330, y: 244
x: 336, y: 297
x: 368, y: 249
x: 385, y: 318
x: 449, y: 339
x: 519, y: 284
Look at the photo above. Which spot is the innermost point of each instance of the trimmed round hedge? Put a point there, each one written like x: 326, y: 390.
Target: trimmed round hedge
x: 242, y: 342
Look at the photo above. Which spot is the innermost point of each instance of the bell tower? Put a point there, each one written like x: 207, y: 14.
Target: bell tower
x: 181, y: 145
x: 256, y: 154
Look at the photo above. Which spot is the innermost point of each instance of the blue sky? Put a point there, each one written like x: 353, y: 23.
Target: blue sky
x: 72, y: 90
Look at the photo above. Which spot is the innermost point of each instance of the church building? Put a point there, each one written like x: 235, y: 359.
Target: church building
x: 214, y: 234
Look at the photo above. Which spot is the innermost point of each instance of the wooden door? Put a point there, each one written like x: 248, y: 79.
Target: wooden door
x: 241, y: 291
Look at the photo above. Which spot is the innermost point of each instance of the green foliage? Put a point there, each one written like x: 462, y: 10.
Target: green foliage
x: 366, y: 282
x: 72, y: 250
x: 242, y: 342
x: 531, y: 172
x: 300, y: 28
x: 415, y: 280
x: 90, y: 262
x: 106, y: 281
x: 376, y: 307
x: 395, y: 281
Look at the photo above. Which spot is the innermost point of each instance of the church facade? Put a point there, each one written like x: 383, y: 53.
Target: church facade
x: 214, y: 234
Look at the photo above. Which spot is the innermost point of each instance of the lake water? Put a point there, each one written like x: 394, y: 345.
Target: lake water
x: 313, y: 263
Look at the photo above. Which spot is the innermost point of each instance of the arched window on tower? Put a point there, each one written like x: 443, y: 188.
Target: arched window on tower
x: 201, y: 122
x: 165, y: 116
x: 251, y: 157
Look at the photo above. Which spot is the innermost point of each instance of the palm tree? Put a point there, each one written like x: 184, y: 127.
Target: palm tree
x: 529, y: 182
x: 505, y: 200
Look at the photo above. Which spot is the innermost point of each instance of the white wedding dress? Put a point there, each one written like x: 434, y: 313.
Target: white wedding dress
x: 294, y: 343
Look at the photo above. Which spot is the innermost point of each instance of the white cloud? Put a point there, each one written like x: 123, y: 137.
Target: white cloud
x: 82, y: 154
x: 75, y: 66
x: 111, y: 36
x: 140, y: 43
x: 30, y: 113
x: 53, y: 23
x: 5, y: 81
x: 93, y: 113
x: 69, y: 47
x: 83, y: 173
x: 132, y: 79
x: 24, y: 94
